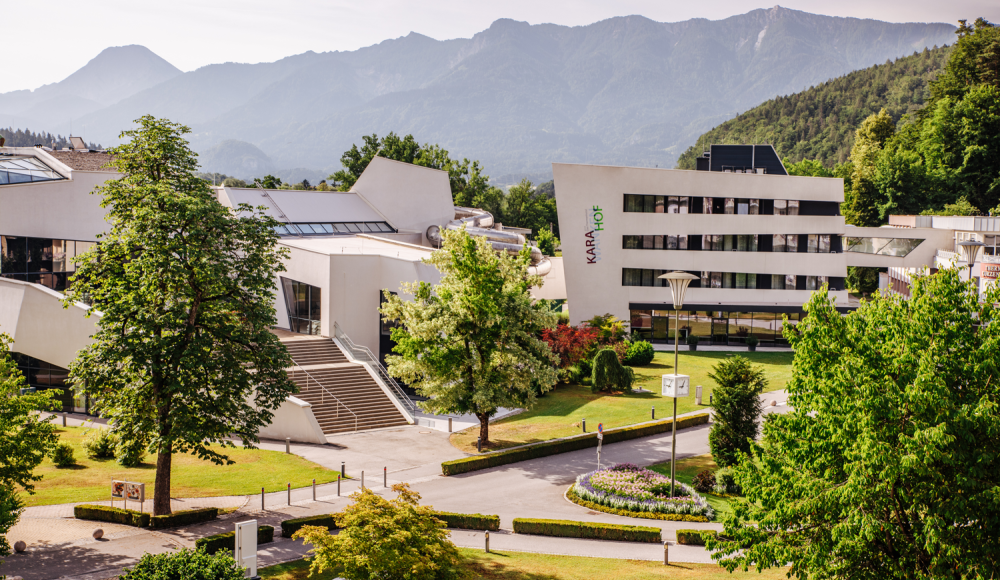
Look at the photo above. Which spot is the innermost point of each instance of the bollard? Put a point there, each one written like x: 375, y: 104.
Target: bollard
x: 710, y: 400
x: 262, y: 499
x: 584, y: 425
x: 64, y: 419
x: 338, y: 486
x: 342, y: 472
x: 314, y: 489
x: 487, y: 541
x: 288, y: 445
x: 479, y: 444
x: 362, y: 480
x: 289, y: 494
x: 697, y: 395
x: 666, y: 554
x: 385, y: 477
x: 652, y: 413
x: 449, y: 424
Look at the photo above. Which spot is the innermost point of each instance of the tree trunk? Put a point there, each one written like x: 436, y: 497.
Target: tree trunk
x: 484, y: 428
x: 161, y: 491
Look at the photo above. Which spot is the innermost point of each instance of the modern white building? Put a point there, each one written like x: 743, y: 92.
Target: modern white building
x: 759, y: 241
x: 344, y: 249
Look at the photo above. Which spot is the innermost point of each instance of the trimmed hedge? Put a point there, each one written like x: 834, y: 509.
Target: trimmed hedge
x: 227, y: 541
x: 565, y: 445
x: 591, y: 530
x: 573, y: 497
x: 183, y: 518
x: 694, y: 537
x: 469, y: 521
x: 102, y: 513
x: 289, y: 527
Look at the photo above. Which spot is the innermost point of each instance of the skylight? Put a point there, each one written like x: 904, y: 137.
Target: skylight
x: 334, y: 228
x: 22, y: 169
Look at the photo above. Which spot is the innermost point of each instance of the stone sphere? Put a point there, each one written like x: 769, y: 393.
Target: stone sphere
x: 20, y: 546
x: 98, y: 534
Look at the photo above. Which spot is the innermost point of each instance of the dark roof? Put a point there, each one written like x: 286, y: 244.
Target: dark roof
x: 741, y: 158
x: 83, y: 161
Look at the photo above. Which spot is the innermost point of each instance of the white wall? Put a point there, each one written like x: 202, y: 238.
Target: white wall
x: 62, y: 210
x: 410, y: 197
x: 35, y: 318
x: 294, y: 419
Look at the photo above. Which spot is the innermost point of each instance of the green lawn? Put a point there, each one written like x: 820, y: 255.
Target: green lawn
x: 527, y: 566
x: 90, y: 479
x: 689, y: 467
x: 559, y: 413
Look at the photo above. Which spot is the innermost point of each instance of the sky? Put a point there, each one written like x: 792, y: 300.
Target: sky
x: 63, y: 35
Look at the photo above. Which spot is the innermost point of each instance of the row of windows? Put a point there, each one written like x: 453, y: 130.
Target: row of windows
x: 713, y: 327
x: 24, y: 255
x: 725, y: 205
x: 811, y: 243
x: 334, y: 228
x: 648, y: 277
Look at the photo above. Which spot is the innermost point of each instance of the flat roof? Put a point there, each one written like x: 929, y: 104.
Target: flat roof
x: 362, y: 245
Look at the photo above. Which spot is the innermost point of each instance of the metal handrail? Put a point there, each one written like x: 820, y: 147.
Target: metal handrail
x: 363, y: 354
x: 324, y: 392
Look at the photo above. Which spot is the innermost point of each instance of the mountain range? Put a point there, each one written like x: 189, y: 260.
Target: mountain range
x: 626, y: 90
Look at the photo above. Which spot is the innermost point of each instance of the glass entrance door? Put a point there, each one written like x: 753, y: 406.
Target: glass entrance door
x: 661, y: 327
x: 720, y: 329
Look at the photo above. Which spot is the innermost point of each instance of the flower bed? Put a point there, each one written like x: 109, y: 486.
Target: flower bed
x: 629, y: 487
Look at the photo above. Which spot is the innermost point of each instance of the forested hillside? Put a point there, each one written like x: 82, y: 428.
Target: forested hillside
x: 26, y: 138
x: 819, y: 123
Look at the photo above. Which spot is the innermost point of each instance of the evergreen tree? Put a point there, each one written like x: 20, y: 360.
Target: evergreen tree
x: 737, y: 407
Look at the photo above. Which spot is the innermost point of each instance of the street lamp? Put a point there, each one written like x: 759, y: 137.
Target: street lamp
x: 676, y: 385
x: 970, y: 250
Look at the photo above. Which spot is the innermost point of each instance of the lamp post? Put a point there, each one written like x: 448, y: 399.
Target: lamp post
x: 970, y: 250
x: 676, y: 384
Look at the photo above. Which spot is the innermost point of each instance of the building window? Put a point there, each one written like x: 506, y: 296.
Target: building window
x: 642, y: 277
x: 385, y: 326
x: 42, y: 375
x: 24, y: 169
x: 304, y: 305
x: 43, y: 261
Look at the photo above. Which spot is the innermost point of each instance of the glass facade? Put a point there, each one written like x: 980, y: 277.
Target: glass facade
x: 713, y: 327
x: 42, y: 375
x: 744, y: 280
x: 332, y: 229
x: 40, y: 260
x: 882, y: 246
x: 812, y: 243
x: 304, y: 304
x: 635, y: 203
x: 16, y: 169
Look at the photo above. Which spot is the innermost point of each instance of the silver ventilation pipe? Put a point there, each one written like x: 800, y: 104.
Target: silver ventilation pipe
x: 478, y: 222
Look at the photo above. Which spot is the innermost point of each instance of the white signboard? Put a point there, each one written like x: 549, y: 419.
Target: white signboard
x: 246, y: 546
x: 675, y: 385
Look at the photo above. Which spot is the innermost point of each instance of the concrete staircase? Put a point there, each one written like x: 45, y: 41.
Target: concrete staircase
x: 343, y: 395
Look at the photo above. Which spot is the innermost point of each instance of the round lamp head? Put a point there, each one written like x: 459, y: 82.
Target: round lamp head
x: 678, y: 285
x: 970, y: 250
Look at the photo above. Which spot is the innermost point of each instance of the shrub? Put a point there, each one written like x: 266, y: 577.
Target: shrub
x: 534, y: 451
x: 100, y: 443
x: 62, y: 455
x: 227, y: 541
x: 130, y: 453
x: 592, y: 530
x: 692, y: 339
x: 289, y: 527
x: 694, y: 537
x: 725, y: 482
x: 752, y: 340
x: 639, y: 354
x: 102, y: 513
x: 705, y: 481
x: 609, y: 373
x: 469, y: 521
x: 737, y: 408
x: 183, y: 518
x: 186, y: 564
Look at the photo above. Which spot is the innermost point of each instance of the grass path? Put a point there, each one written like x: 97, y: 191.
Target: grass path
x: 528, y: 566
x: 90, y: 479
x: 560, y: 412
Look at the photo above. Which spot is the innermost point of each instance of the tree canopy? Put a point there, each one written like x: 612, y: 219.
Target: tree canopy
x: 470, y: 343
x: 183, y: 357
x: 886, y: 467
x: 737, y: 408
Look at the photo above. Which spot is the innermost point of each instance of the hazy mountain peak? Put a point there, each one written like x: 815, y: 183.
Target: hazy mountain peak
x: 116, y: 73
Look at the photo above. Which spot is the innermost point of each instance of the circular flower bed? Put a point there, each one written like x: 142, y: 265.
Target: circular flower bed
x: 632, y: 488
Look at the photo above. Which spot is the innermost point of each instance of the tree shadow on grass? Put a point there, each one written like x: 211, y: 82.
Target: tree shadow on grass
x: 493, y: 569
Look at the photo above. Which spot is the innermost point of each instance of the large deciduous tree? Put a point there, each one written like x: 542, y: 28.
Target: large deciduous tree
x: 26, y: 437
x: 183, y: 356
x: 471, y: 343
x: 887, y: 466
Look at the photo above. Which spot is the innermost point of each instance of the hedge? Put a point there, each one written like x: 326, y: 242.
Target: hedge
x: 227, y: 541
x: 565, y: 445
x: 573, y: 497
x: 592, y: 530
x: 694, y: 537
x: 113, y: 515
x: 469, y: 521
x: 183, y: 518
x: 289, y: 527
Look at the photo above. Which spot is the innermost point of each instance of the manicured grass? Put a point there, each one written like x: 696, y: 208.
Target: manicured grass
x: 90, y: 479
x: 559, y: 412
x: 527, y: 566
x: 689, y: 467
